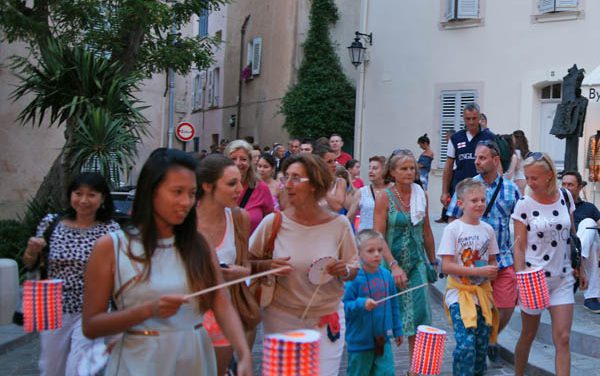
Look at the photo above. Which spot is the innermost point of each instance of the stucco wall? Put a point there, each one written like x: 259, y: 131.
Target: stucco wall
x: 506, y: 58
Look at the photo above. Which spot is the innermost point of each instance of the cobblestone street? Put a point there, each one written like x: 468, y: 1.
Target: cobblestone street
x: 22, y: 361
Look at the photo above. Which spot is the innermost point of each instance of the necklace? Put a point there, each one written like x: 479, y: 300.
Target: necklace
x: 405, y: 206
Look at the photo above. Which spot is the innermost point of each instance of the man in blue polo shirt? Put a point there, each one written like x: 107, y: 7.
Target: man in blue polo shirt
x: 461, y: 150
x: 487, y: 163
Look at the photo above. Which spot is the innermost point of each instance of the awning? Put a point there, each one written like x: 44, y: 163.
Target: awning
x: 592, y: 78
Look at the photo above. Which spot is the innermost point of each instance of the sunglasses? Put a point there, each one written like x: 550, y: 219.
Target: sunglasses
x: 402, y: 152
x: 490, y: 145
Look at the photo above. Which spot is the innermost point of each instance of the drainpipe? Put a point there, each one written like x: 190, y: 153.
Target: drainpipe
x: 360, y: 92
x: 171, y: 74
x: 238, y: 117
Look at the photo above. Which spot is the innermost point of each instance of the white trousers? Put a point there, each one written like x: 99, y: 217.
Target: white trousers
x: 590, y: 251
x: 63, y: 348
x: 278, y: 321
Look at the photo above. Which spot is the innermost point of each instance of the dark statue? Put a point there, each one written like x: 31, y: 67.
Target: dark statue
x: 570, y: 116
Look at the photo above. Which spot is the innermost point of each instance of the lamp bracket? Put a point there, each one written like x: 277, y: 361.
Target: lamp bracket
x: 367, y: 37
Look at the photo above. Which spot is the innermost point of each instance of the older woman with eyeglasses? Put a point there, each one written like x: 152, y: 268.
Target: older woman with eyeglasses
x: 256, y: 197
x: 308, y: 231
x: 542, y: 225
x: 401, y: 214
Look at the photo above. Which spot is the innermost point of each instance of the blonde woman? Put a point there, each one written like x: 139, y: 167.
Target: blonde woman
x: 401, y: 214
x: 256, y: 197
x: 542, y: 225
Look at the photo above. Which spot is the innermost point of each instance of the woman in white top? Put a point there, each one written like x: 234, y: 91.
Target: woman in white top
x: 521, y: 152
x: 336, y: 195
x: 219, y: 187
x: 363, y: 201
x: 542, y: 225
x: 148, y: 270
x: 308, y: 231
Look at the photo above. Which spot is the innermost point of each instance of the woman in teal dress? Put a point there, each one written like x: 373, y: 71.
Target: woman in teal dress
x: 401, y: 215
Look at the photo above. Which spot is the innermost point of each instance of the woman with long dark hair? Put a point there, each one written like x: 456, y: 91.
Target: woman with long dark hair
x: 521, y: 146
x: 71, y: 237
x: 148, y: 269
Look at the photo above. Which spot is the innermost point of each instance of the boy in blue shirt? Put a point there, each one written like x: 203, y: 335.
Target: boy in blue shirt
x: 368, y: 324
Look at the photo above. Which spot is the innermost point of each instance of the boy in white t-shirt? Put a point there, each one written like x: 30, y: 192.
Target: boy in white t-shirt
x: 468, y: 251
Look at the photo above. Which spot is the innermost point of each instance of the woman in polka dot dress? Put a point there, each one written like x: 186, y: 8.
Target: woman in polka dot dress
x: 542, y: 224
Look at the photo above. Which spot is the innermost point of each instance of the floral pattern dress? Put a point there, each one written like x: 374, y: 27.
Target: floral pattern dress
x: 407, y: 246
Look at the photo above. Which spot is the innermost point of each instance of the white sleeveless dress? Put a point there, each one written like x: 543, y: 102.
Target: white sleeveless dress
x: 177, y: 345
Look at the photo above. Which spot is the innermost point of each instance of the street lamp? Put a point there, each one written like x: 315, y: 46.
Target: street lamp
x: 357, y: 50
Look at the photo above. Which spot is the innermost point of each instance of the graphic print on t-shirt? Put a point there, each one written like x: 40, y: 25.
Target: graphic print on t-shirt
x: 473, y: 253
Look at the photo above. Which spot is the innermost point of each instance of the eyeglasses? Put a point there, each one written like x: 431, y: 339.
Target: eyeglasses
x: 295, y: 180
x: 490, y: 145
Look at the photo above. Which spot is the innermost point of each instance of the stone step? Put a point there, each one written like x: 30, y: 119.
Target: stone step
x: 585, y: 339
x: 541, y: 356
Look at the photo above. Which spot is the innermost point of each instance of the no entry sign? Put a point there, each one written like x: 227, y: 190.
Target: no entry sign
x: 185, y: 131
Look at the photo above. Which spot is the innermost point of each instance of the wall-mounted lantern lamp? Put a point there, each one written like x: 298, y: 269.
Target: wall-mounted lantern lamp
x: 357, y: 50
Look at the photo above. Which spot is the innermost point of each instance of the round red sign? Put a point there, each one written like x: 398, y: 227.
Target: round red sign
x: 185, y: 131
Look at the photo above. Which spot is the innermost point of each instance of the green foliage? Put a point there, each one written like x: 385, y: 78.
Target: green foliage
x: 323, y: 100
x: 68, y: 81
x: 13, y: 240
x: 133, y: 32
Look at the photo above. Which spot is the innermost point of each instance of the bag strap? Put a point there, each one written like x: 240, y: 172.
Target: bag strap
x: 275, y: 226
x: 42, y: 262
x: 568, y: 202
x: 493, y: 200
x: 246, y: 197
x: 372, y: 192
x: 240, y: 236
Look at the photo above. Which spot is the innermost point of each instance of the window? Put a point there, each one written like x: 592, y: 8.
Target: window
x: 215, y: 88
x: 551, y: 91
x: 452, y: 103
x: 253, y: 55
x: 462, y: 9
x: 198, y: 90
x: 203, y: 23
x: 548, y: 6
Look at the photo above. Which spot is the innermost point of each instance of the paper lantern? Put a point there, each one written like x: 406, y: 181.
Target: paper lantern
x: 291, y: 353
x: 533, y: 289
x: 42, y: 305
x: 356, y: 222
x: 428, y: 351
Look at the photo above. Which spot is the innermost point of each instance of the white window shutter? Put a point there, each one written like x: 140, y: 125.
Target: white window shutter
x: 256, y: 55
x: 467, y: 9
x: 450, y: 11
x: 215, y: 88
x: 195, y: 89
x: 546, y: 6
x: 452, y: 104
x: 566, y: 5
x: 210, y: 88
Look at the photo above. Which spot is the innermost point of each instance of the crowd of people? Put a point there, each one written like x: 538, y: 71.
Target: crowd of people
x: 240, y: 210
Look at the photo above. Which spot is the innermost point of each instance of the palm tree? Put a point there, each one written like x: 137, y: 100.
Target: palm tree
x: 92, y: 97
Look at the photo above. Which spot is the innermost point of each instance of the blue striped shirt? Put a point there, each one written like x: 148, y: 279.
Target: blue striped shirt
x: 498, y: 217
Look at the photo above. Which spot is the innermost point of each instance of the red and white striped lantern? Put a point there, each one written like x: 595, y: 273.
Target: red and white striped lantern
x: 42, y: 305
x: 291, y: 353
x: 428, y: 351
x: 533, y: 289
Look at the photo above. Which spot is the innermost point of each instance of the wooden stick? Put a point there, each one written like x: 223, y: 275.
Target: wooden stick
x: 400, y: 293
x: 239, y: 280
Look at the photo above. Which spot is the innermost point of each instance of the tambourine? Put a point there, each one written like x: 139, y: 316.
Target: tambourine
x: 317, y: 273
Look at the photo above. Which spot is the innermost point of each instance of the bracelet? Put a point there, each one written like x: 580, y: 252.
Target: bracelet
x: 347, y: 273
x: 393, y: 263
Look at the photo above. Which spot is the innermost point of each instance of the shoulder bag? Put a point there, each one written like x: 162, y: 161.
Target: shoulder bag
x: 263, y: 288
x: 243, y: 300
x: 574, y: 242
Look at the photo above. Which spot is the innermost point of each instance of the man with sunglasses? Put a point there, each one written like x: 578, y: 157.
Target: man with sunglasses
x: 461, y: 151
x: 501, y: 197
